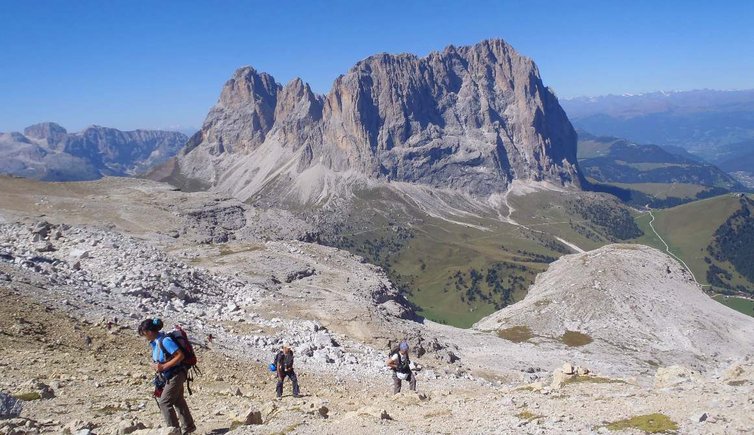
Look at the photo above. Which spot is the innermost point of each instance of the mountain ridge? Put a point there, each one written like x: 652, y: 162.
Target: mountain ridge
x: 470, y: 118
x: 47, y: 151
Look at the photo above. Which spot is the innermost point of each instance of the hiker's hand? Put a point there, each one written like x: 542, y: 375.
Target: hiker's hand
x: 157, y: 367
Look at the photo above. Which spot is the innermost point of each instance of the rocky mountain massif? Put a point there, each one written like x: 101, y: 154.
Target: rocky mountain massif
x: 470, y: 118
x: 82, y: 264
x: 47, y: 151
x: 400, y: 146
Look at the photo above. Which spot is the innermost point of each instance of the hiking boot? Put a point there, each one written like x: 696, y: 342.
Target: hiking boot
x: 189, y: 430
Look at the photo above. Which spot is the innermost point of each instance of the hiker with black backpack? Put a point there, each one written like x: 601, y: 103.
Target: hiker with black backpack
x: 400, y: 364
x: 283, y: 366
x: 169, y: 363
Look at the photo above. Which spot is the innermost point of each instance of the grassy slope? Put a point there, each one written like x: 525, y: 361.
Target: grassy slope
x: 425, y: 254
x: 742, y: 305
x: 440, y: 249
x: 548, y: 211
x: 688, y: 229
x: 664, y: 190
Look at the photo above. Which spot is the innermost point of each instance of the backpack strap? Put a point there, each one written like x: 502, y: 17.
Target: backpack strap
x: 165, y: 353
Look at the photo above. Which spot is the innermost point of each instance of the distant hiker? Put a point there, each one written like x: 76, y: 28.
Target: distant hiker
x: 209, y: 338
x: 284, y: 367
x: 400, y: 364
x: 170, y: 376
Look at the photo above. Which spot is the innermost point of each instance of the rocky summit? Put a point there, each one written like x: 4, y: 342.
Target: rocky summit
x: 46, y: 151
x: 471, y: 118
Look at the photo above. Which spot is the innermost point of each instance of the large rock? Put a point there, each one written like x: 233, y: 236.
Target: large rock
x: 673, y: 376
x: 253, y: 416
x: 10, y: 407
x: 470, y: 118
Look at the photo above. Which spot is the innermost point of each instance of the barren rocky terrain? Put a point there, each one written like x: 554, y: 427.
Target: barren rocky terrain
x: 82, y: 263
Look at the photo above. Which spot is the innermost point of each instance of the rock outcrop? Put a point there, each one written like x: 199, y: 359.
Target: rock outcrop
x: 627, y: 302
x: 468, y: 118
x: 46, y: 151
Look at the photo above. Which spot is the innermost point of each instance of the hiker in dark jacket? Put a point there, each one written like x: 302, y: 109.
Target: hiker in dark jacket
x: 170, y: 375
x: 284, y: 367
x: 400, y: 364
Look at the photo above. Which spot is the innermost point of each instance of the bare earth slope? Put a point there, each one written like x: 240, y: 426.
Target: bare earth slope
x: 638, y: 305
x: 76, y: 257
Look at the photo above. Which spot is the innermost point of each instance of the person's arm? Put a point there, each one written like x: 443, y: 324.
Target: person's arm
x: 279, y: 364
x: 174, y: 361
x: 392, y: 362
x: 169, y: 347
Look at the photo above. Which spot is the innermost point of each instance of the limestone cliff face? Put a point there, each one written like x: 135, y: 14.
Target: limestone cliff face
x: 470, y: 118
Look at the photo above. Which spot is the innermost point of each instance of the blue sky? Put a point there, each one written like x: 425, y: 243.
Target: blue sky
x: 161, y: 64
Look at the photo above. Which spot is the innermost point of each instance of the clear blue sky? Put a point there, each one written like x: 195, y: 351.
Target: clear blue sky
x: 161, y: 64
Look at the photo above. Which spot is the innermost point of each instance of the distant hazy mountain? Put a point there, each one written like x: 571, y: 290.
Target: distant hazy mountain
x: 47, y: 151
x: 715, y: 125
x: 649, y: 174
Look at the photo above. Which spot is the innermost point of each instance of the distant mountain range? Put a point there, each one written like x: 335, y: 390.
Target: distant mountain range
x: 650, y: 174
x: 48, y: 152
x: 715, y: 125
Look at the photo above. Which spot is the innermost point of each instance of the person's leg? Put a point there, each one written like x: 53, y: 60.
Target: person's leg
x: 396, y: 384
x: 412, y: 381
x: 180, y: 406
x: 279, y: 386
x: 294, y: 380
x: 167, y: 400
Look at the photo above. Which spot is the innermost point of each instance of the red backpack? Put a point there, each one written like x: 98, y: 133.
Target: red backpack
x: 179, y: 336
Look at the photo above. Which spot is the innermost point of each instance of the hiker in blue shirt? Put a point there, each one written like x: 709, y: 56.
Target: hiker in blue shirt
x: 170, y: 376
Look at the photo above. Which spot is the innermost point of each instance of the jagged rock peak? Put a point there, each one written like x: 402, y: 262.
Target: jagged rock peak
x: 45, y: 130
x: 472, y: 118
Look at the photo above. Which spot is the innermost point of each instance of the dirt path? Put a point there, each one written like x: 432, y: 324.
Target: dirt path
x: 667, y: 249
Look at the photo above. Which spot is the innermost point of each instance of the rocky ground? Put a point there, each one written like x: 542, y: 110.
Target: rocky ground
x: 80, y: 266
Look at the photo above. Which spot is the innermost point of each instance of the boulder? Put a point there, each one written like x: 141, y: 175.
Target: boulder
x: 734, y: 372
x: 77, y: 426
x: 10, y: 407
x: 41, y: 229
x: 79, y: 254
x: 559, y: 379
x: 44, y: 247
x: 568, y: 369
x: 371, y: 411
x: 448, y: 356
x: 673, y: 376
x: 128, y: 427
x: 253, y: 416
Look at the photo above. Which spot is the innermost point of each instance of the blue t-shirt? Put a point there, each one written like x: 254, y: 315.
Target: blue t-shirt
x: 170, y: 346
